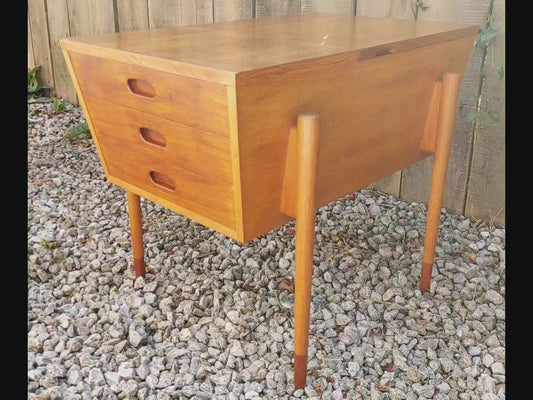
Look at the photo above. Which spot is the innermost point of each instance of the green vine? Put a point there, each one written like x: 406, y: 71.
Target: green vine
x: 416, y: 7
x: 488, y: 107
x: 35, y: 89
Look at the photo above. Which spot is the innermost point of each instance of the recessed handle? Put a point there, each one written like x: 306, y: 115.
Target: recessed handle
x: 141, y: 87
x: 153, y: 137
x: 162, y: 180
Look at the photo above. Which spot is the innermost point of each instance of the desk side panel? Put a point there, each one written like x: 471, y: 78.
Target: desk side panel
x: 372, y: 118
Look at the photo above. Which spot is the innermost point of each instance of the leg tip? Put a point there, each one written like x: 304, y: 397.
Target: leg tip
x: 138, y: 264
x: 425, y: 279
x: 300, y: 371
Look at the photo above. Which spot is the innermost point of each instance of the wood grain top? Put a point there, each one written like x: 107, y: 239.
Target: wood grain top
x: 218, y: 51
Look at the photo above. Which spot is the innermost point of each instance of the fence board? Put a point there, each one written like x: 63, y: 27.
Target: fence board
x: 204, y: 11
x: 393, y: 9
x: 31, y: 58
x: 486, y: 189
x: 385, y: 8
x: 188, y: 12
x: 132, y: 15
x: 41, y: 43
x: 79, y: 18
x: 164, y: 13
x: 58, y: 28
x: 91, y: 17
x: 228, y: 10
x: 328, y: 6
x: 266, y: 8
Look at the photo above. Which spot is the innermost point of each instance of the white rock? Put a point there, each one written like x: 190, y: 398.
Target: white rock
x: 112, y: 378
x: 236, y: 349
x: 126, y: 370
x: 494, y: 297
x: 498, y: 368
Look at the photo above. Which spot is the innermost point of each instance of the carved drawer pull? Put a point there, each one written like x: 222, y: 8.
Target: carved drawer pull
x: 141, y: 87
x: 162, y: 180
x: 153, y: 137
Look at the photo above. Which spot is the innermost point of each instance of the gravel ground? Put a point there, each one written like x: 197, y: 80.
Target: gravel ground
x: 215, y: 319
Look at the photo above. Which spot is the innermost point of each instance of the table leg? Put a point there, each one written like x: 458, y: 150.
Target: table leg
x: 448, y: 104
x: 307, y: 156
x: 134, y: 208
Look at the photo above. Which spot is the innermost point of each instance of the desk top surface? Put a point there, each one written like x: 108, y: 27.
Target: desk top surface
x: 246, y: 45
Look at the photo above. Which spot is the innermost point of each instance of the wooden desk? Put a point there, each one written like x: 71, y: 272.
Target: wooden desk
x: 243, y: 125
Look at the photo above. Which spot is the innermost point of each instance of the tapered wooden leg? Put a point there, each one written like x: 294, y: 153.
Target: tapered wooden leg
x: 448, y: 104
x: 134, y: 207
x: 305, y: 234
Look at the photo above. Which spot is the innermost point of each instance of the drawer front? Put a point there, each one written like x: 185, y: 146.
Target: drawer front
x: 189, y: 101
x: 180, y: 164
x: 198, y: 151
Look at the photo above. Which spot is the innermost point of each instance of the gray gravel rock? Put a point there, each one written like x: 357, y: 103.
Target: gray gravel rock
x: 494, y: 297
x: 213, y: 319
x: 498, y: 368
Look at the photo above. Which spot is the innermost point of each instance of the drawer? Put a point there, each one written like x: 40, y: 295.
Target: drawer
x: 189, y: 101
x: 183, y: 165
x: 134, y: 131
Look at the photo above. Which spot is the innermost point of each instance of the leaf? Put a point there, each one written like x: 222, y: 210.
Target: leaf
x: 420, y: 4
x: 46, y: 244
x: 39, y: 100
x: 484, y: 37
x: 499, y: 71
x: 495, y: 118
x: 33, y: 86
x: 287, y: 284
x: 41, y: 182
x: 382, y: 388
x: 77, y: 130
x: 32, y: 78
x: 471, y: 117
x: 59, y: 106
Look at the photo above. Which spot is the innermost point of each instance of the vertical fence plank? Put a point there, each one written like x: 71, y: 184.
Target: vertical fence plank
x: 416, y: 179
x: 266, y: 8
x: 328, y: 6
x: 228, y: 10
x: 41, y: 41
x: 91, y: 17
x: 103, y: 16
x: 486, y: 189
x: 394, y: 9
x: 164, y: 13
x: 31, y: 58
x: 390, y: 184
x: 204, y: 11
x: 132, y: 15
x: 58, y: 27
x: 79, y: 18
x: 188, y: 12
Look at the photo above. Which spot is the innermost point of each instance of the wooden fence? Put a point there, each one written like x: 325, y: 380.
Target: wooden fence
x: 475, y: 184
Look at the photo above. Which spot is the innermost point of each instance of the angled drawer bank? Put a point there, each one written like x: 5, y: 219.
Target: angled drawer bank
x: 244, y: 125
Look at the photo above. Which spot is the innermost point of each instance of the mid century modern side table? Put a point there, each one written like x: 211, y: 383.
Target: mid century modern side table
x: 243, y: 125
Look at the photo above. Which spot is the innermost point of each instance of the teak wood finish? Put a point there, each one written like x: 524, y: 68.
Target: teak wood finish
x: 221, y: 122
